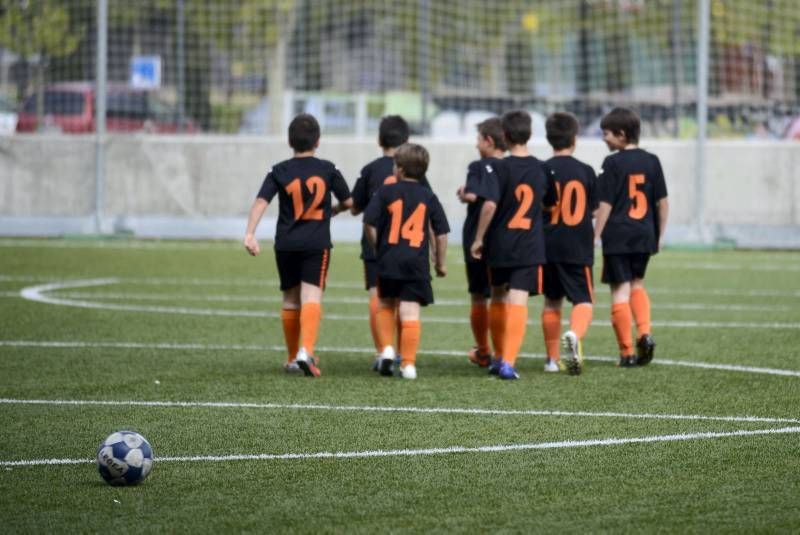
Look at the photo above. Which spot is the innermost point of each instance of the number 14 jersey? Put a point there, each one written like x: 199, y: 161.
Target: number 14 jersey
x: 304, y: 187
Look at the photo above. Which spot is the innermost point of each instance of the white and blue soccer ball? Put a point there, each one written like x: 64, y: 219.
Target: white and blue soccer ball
x: 124, y: 458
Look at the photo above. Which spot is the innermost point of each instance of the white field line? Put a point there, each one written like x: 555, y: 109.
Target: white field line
x: 369, y: 351
x: 38, y: 294
x: 228, y: 298
x: 684, y: 437
x: 345, y: 285
x: 379, y: 409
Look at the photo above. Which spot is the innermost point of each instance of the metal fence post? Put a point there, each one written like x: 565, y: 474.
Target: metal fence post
x: 703, y: 48
x: 100, y: 112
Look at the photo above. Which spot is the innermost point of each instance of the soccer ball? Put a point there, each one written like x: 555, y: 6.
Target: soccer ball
x: 124, y: 458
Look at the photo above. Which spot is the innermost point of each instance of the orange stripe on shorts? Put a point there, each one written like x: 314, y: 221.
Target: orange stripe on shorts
x: 540, y: 279
x: 324, y: 271
x: 589, y: 282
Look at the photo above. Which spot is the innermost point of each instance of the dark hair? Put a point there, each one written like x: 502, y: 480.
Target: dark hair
x: 393, y: 131
x: 413, y: 160
x: 492, y: 128
x: 622, y: 121
x: 517, y: 127
x: 303, y: 132
x: 561, y: 127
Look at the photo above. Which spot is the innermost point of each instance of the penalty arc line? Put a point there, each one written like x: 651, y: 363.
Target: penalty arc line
x: 433, y: 451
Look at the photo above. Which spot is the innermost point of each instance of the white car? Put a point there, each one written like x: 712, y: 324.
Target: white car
x: 8, y: 118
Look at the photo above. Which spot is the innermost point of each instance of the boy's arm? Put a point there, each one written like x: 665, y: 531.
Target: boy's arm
x: 440, y: 254
x: 256, y: 212
x: 487, y: 213
x: 662, y: 207
x: 466, y: 197
x: 343, y: 206
x: 601, y: 218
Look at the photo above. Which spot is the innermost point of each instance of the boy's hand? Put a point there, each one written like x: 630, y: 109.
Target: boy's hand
x: 441, y: 270
x: 476, y: 250
x: 251, y: 244
x: 460, y: 194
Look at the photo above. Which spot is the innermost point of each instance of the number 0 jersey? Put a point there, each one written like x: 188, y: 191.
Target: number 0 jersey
x: 568, y: 231
x: 401, y: 214
x: 516, y: 237
x: 304, y: 187
x: 632, y: 182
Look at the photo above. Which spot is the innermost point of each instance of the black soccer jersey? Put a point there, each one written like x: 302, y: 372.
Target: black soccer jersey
x: 401, y: 213
x: 373, y: 176
x: 482, y: 181
x: 304, y: 187
x: 516, y: 236
x: 632, y: 182
x: 568, y: 231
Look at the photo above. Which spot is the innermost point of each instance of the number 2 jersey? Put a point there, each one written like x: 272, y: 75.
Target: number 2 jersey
x: 402, y: 213
x: 304, y: 187
x: 516, y: 237
x: 632, y: 182
x: 568, y: 231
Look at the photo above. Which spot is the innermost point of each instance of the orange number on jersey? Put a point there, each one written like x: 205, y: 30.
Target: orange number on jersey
x: 524, y: 194
x: 316, y: 186
x: 638, y: 207
x: 413, y: 230
x: 573, y: 204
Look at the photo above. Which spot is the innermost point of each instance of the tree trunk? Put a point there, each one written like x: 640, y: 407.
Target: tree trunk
x: 276, y: 72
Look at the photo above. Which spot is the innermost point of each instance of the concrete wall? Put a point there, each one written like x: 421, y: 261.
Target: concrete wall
x: 159, y: 181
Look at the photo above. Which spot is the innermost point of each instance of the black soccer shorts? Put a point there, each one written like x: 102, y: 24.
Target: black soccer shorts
x: 573, y: 281
x: 619, y: 268
x: 526, y: 278
x: 295, y: 267
x: 419, y: 291
x: 478, y: 278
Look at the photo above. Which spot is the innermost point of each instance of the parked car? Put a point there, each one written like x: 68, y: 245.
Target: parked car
x: 70, y: 107
x: 8, y: 117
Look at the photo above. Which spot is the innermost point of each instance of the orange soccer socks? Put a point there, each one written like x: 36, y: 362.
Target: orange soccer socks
x: 622, y: 320
x: 551, y: 327
x: 580, y: 319
x: 479, y: 321
x: 310, y: 316
x: 385, y: 323
x: 515, y: 323
x: 497, y: 327
x: 640, y: 306
x: 373, y: 322
x: 290, y: 317
x: 409, y: 339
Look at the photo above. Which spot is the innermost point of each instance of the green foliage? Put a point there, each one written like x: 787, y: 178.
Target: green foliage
x: 38, y: 27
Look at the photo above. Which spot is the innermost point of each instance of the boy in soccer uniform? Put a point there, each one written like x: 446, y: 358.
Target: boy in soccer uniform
x: 302, y: 238
x: 514, y: 241
x: 569, y: 240
x: 396, y: 222
x: 631, y: 220
x: 392, y: 132
x: 480, y: 185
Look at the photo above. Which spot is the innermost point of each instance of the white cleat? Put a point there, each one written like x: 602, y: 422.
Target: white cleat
x: 292, y: 368
x: 574, y: 352
x: 552, y: 366
x: 408, y: 371
x: 386, y: 361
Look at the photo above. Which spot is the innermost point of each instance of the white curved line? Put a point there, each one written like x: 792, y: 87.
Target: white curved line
x: 433, y: 451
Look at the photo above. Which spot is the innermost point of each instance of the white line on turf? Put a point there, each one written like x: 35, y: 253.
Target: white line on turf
x: 379, y: 409
x: 261, y: 282
x: 684, y: 437
x: 38, y: 293
x: 370, y: 351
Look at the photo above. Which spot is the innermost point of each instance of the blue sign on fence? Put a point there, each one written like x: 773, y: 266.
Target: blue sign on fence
x: 145, y: 72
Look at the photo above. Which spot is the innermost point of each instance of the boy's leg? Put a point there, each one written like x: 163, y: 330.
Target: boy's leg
x: 479, y: 322
x: 640, y: 307
x: 290, y: 318
x: 371, y: 283
x: 313, y: 273
x: 410, y: 331
x: 622, y: 320
x: 497, y: 320
x: 515, y: 324
x: 386, y: 322
x: 551, y: 328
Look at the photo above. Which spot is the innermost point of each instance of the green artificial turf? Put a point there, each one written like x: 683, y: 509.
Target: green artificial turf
x: 196, y: 322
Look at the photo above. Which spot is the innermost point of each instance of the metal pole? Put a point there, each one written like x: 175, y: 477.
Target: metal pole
x: 703, y: 47
x: 100, y: 113
x: 181, y: 63
x: 423, y: 46
x: 676, y: 65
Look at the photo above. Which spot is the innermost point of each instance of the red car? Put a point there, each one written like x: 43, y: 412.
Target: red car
x: 70, y: 107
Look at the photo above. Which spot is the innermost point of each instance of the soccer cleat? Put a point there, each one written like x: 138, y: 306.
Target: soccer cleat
x: 552, y: 365
x: 626, y: 361
x: 476, y: 357
x: 574, y: 350
x: 507, y: 372
x: 376, y: 363
x: 644, y: 350
x: 386, y: 361
x: 409, y: 371
x: 292, y: 368
x: 494, y: 366
x: 307, y: 363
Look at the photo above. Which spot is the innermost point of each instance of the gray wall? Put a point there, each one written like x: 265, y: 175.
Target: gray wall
x: 203, y: 185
